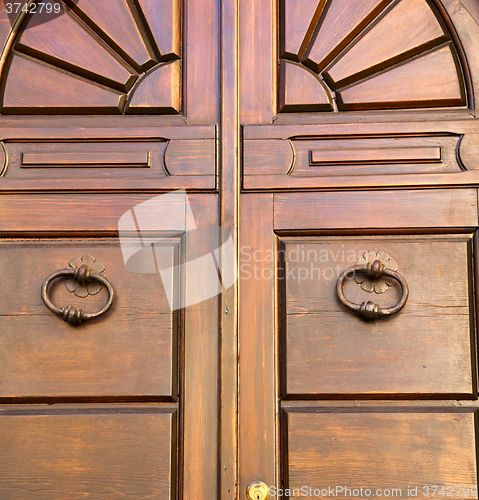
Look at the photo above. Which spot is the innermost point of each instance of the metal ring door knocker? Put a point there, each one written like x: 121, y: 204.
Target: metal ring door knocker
x: 84, y: 275
x: 375, y: 270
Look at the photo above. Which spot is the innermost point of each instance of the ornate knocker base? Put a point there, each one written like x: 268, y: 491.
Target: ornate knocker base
x: 374, y: 271
x: 84, y: 275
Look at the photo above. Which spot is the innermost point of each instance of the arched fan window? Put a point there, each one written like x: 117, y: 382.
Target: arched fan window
x: 381, y: 54
x: 108, y: 56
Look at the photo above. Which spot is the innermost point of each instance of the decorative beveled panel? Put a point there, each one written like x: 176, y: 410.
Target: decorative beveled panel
x: 391, y: 450
x: 99, y: 452
x: 130, y: 352
x: 424, y: 349
x: 113, y: 57
x: 347, y: 153
x: 366, y: 55
x: 110, y: 158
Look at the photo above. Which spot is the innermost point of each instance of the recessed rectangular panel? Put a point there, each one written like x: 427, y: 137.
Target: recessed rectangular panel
x: 425, y: 349
x: 82, y: 159
x: 411, y: 455
x: 108, y: 455
x: 351, y: 156
x: 85, y: 160
x: 131, y: 351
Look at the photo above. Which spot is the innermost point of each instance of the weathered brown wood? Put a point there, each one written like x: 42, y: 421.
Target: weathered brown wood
x: 200, y: 366
x: 85, y: 214
x: 164, y: 21
x: 40, y: 160
x: 271, y: 160
x: 399, y: 155
x: 202, y: 66
x: 373, y: 123
x: 257, y: 397
x: 119, y: 23
x: 98, y: 127
x: 67, y: 43
x: 301, y: 90
x: 25, y: 74
x: 408, y: 29
x: 461, y: 17
x: 216, y: 61
x: 159, y: 159
x: 297, y: 25
x: 191, y: 157
x: 269, y: 157
x: 340, y: 26
x: 229, y: 183
x: 376, y: 209
x: 256, y: 62
x: 389, y: 89
x: 346, y: 182
x: 61, y: 456
x: 356, y: 156
x: 5, y: 26
x: 386, y: 451
x: 158, y: 92
x: 132, y: 351
x: 328, y: 350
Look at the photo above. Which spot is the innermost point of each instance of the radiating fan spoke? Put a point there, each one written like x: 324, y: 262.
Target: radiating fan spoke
x: 81, y: 52
x: 409, y: 85
x: 340, y: 26
x: 299, y: 20
x: 371, y: 54
x: 39, y: 88
x: 167, y: 35
x: 115, y: 22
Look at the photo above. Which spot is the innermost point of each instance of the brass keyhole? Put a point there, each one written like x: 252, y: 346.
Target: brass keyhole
x: 257, y: 491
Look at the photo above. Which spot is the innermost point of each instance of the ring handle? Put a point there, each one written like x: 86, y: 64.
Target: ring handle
x: 370, y: 310
x: 75, y: 315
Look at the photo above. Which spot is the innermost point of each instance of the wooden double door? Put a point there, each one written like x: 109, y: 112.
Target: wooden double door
x: 221, y: 165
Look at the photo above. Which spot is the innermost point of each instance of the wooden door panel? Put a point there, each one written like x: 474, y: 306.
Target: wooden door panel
x: 47, y: 42
x: 380, y: 50
x: 167, y: 35
x: 325, y: 355
x: 77, y: 453
x: 347, y: 154
x: 363, y: 131
x: 410, y: 28
x: 25, y: 73
x: 339, y: 27
x: 75, y: 177
x: 388, y: 89
x: 114, y: 157
x: 334, y: 57
x: 111, y: 52
x: 378, y: 210
x: 120, y: 23
x: 159, y: 91
x: 395, y: 451
x: 132, y: 351
x: 328, y: 350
